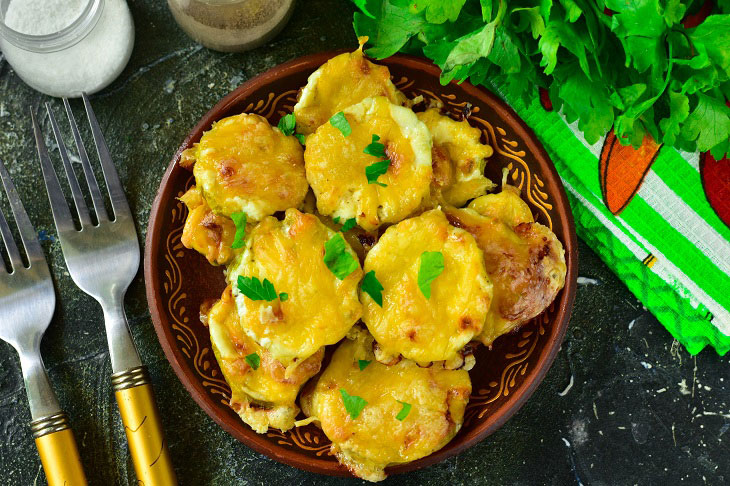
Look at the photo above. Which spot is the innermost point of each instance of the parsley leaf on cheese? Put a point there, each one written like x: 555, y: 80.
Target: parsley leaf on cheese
x: 363, y: 363
x: 432, y: 265
x: 353, y: 404
x: 375, y: 148
x: 373, y: 171
x: 373, y: 287
x: 239, y: 219
x: 253, y: 360
x: 404, y: 411
x: 339, y: 121
x: 349, y: 224
x: 337, y: 258
x: 302, y: 138
x: 255, y: 289
x: 287, y: 124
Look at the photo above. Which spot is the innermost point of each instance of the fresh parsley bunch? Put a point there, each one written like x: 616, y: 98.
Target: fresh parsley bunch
x: 630, y: 65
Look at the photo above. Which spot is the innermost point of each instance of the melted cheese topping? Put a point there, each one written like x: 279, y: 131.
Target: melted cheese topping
x: 264, y: 397
x: 320, y: 308
x: 243, y: 164
x: 458, y: 157
x: 335, y: 165
x: 524, y: 259
x: 408, y: 323
x: 342, y: 81
x: 506, y: 206
x: 376, y: 439
x: 208, y: 233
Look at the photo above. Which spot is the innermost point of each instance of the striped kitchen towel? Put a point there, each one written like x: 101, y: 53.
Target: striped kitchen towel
x: 658, y: 217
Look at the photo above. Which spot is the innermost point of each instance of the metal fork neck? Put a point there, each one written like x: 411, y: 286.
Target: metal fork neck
x: 122, y: 350
x: 42, y: 400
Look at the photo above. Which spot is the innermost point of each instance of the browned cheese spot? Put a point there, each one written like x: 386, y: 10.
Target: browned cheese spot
x: 397, y: 160
x: 226, y: 171
x: 442, y: 167
x: 364, y: 66
x: 456, y: 222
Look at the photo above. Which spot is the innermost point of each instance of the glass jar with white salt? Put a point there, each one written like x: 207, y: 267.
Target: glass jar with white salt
x: 66, y: 47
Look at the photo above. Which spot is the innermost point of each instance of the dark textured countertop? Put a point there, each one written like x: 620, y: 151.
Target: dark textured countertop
x: 640, y: 409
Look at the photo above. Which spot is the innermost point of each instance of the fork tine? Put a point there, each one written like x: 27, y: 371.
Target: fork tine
x: 116, y: 193
x: 59, y: 208
x: 7, y: 237
x: 101, y: 214
x: 73, y: 182
x: 27, y: 233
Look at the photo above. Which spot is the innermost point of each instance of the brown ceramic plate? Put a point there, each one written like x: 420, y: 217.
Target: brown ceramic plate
x: 180, y: 280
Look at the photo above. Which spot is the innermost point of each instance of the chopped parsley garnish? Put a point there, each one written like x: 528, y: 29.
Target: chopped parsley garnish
x: 353, y: 404
x: 363, y: 363
x: 254, y: 289
x: 302, y: 138
x: 375, y: 148
x: 432, y: 264
x: 339, y: 121
x: 403, y: 411
x: 337, y: 258
x: 239, y: 219
x: 253, y: 360
x: 372, y: 287
x: 373, y: 171
x: 347, y: 225
x: 287, y: 124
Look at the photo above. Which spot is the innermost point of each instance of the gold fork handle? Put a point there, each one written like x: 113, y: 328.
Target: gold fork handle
x: 58, y: 451
x: 142, y: 424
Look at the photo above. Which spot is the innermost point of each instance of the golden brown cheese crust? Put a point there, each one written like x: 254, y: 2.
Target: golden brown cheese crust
x: 244, y: 164
x: 408, y: 323
x: 336, y: 165
x: 458, y: 158
x: 208, y: 233
x: 376, y: 439
x: 263, y: 397
x: 342, y: 81
x: 320, y: 308
x: 524, y: 259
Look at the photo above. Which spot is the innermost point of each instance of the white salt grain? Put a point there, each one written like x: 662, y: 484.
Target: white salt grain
x: 40, y: 17
x: 86, y: 66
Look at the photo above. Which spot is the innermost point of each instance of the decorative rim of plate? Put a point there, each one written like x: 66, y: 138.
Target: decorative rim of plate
x: 326, y: 466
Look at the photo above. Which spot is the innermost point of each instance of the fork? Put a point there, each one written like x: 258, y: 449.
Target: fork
x: 102, y: 259
x: 27, y: 301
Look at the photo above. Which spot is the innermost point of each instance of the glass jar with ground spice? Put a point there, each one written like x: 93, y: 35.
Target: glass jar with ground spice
x: 231, y: 25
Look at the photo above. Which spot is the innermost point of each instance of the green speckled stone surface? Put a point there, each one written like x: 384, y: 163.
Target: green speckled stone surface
x: 640, y: 409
